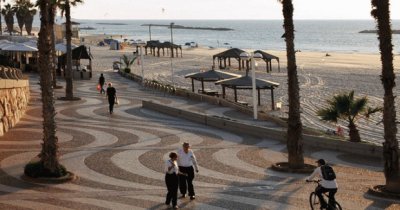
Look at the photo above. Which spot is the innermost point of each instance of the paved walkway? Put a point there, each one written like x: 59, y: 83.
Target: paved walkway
x: 119, y: 158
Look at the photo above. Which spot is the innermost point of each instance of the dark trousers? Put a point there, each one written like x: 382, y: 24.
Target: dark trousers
x: 186, y: 182
x: 331, y: 196
x: 171, y: 180
x: 111, y: 101
x: 102, y: 88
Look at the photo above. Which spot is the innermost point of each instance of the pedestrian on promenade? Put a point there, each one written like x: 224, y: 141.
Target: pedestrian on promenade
x: 186, y: 161
x: 171, y: 179
x: 101, y: 83
x: 112, y: 97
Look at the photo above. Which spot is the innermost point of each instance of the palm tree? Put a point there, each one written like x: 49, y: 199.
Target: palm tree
x: 128, y: 63
x: 49, y: 156
x: 380, y: 11
x: 8, y: 14
x: 346, y: 107
x: 295, y: 127
x: 28, y: 19
x: 53, y: 46
x: 65, y: 6
x: 21, y: 11
x: 1, y: 23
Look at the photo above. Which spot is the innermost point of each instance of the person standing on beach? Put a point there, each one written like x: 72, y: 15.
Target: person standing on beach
x: 112, y: 96
x: 186, y: 161
x: 101, y: 83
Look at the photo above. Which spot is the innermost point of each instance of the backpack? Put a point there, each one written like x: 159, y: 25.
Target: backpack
x: 328, y: 173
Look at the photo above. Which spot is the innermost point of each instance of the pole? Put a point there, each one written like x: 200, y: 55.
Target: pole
x: 150, y: 31
x: 253, y: 71
x: 141, y: 62
x: 172, y: 55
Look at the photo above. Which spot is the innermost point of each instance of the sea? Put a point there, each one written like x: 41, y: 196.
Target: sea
x: 310, y: 35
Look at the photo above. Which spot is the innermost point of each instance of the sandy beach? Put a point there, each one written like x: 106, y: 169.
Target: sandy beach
x: 320, y: 78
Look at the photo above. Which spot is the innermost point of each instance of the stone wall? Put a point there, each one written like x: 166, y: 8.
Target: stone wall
x: 14, y: 98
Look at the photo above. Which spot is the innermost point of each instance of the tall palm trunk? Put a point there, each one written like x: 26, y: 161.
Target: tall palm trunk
x: 28, y: 19
x: 68, y: 30
x: 9, y: 22
x: 381, y: 13
x: 353, y: 132
x: 1, y: 22
x: 49, y: 154
x: 53, y: 45
x: 20, y: 20
x: 294, y: 132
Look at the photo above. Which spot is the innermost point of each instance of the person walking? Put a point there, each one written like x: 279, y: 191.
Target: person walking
x: 328, y: 183
x: 171, y: 180
x: 186, y: 161
x: 101, y: 83
x: 112, y: 96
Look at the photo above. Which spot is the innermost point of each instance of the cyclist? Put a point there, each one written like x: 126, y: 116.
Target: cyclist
x: 327, y: 184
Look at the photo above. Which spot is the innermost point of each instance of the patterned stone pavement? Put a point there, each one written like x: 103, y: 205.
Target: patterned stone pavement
x: 119, y: 158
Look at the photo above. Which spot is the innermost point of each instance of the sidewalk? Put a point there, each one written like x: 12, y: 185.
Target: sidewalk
x: 119, y: 158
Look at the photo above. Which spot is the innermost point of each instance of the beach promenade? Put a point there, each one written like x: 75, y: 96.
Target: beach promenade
x: 119, y: 158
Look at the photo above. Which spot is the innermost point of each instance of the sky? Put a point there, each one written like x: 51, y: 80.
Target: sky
x: 225, y: 9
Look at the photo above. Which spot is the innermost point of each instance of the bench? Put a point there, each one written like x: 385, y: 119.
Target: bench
x: 209, y: 92
x: 244, y: 103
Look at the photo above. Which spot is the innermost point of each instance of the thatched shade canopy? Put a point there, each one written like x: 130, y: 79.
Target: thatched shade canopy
x: 228, y: 54
x: 209, y: 76
x: 245, y: 82
x: 268, y: 59
x: 78, y: 53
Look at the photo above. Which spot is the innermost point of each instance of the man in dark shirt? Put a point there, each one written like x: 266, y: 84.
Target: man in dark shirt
x: 111, y: 95
x: 101, y: 83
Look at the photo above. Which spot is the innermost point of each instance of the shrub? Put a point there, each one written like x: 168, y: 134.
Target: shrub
x: 127, y: 70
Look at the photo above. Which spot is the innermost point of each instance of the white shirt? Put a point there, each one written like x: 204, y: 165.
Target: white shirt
x: 187, y: 159
x: 329, y: 184
x: 174, y: 169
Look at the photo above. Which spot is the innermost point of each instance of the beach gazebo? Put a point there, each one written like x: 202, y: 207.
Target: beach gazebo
x: 268, y: 60
x: 245, y: 82
x: 227, y: 55
x: 78, y: 54
x: 210, y: 76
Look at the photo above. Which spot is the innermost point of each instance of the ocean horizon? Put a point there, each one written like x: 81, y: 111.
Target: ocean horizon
x: 310, y: 35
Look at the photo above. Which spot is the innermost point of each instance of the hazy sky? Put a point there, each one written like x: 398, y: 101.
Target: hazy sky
x: 225, y: 9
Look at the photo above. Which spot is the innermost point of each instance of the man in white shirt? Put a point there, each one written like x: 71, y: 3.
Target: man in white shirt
x: 186, y: 161
x: 325, y: 185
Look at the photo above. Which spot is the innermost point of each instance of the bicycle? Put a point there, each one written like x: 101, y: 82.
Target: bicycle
x: 314, y: 200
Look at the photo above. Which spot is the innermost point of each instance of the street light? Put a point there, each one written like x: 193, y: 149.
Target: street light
x: 252, y: 57
x: 172, y: 54
x: 140, y: 44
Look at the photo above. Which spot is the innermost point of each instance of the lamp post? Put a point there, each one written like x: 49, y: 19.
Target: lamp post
x: 140, y: 44
x: 252, y: 57
x: 172, y: 54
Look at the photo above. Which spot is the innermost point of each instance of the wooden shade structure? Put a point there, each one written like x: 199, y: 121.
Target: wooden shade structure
x: 209, y: 76
x: 245, y: 82
x: 155, y: 47
x: 227, y: 55
x: 268, y: 60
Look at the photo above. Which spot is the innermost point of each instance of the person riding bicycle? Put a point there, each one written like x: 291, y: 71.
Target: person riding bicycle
x: 328, y: 183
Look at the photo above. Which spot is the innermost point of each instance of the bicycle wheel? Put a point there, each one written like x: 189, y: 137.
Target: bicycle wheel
x: 337, y: 206
x: 314, y: 201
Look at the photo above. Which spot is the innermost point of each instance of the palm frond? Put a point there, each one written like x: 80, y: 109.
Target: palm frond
x: 371, y: 111
x: 358, y: 106
x: 328, y: 114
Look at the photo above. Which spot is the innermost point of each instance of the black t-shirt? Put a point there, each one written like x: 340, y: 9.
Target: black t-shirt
x: 101, y: 80
x: 111, y: 92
